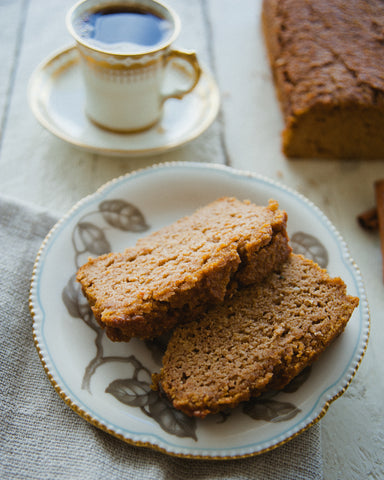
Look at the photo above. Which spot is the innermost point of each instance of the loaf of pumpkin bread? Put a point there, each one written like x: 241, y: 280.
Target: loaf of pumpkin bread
x: 327, y: 62
x: 257, y: 340
x: 175, y: 273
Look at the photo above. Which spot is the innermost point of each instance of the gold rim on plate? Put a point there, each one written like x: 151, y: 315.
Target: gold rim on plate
x: 243, y: 174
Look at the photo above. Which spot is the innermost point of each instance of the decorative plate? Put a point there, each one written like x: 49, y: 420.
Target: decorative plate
x: 108, y: 383
x: 56, y: 97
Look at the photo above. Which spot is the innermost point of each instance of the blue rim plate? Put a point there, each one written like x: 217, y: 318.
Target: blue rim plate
x: 108, y: 384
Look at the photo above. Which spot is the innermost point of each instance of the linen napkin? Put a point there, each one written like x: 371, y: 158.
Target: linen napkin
x: 42, y: 438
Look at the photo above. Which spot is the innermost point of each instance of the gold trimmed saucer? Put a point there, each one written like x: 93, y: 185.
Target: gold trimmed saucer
x: 109, y: 383
x: 56, y: 97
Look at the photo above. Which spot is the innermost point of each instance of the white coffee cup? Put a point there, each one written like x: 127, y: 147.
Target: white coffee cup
x: 124, y: 82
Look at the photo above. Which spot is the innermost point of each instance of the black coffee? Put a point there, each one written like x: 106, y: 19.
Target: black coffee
x: 122, y: 29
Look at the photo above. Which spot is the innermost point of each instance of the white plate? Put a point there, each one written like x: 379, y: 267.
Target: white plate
x: 56, y: 96
x: 108, y: 383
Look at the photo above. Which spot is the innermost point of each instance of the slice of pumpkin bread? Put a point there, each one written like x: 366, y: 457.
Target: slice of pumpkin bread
x: 174, y: 273
x: 258, y: 340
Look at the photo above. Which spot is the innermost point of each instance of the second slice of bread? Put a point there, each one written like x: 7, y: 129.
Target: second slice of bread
x: 258, y: 340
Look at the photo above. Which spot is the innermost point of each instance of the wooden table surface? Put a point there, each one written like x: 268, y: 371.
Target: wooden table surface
x: 41, y: 169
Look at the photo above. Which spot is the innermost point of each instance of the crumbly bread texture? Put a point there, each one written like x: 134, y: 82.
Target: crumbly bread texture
x: 327, y: 61
x: 258, y: 340
x: 174, y: 273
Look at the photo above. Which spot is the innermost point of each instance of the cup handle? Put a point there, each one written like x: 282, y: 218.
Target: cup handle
x: 188, y: 57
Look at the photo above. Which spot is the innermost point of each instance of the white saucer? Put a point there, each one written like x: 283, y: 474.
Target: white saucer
x: 56, y: 96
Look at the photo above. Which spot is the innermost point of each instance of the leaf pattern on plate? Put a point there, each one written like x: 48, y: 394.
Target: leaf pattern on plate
x: 310, y: 247
x: 88, y: 237
x: 136, y: 391
x: 123, y: 215
x: 270, y: 410
x: 130, y: 391
x: 264, y: 408
x: 75, y: 302
x: 171, y: 420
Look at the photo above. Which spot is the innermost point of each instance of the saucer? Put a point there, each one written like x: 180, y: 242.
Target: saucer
x: 56, y: 96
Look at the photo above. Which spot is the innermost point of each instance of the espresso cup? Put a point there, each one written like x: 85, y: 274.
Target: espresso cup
x: 125, y: 49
